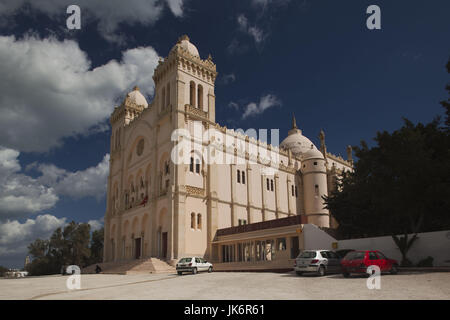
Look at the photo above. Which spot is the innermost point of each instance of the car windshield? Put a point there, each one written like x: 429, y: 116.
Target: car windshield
x: 184, y: 260
x: 307, y: 254
x: 355, y: 255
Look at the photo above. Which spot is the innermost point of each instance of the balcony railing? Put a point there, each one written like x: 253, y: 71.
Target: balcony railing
x: 196, y: 111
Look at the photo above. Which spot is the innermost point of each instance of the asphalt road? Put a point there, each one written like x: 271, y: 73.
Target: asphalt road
x: 229, y: 285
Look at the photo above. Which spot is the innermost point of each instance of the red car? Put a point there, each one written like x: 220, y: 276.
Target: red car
x: 359, y: 261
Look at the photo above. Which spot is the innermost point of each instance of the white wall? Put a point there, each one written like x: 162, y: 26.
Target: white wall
x: 315, y: 238
x: 434, y: 244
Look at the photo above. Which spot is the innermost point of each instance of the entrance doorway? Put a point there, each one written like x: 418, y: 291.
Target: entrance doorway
x: 137, y: 246
x: 164, y: 245
x: 294, y: 247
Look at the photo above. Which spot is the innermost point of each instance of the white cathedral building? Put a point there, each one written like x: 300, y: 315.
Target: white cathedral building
x: 234, y: 213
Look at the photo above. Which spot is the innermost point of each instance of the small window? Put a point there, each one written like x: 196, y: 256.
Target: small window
x: 332, y: 255
x: 192, y: 220
x: 381, y: 256
x: 197, y: 166
x: 238, y: 176
x: 281, y: 244
x: 293, y: 190
x: 166, y: 168
x: 268, y: 186
x: 199, y: 221
x: 271, y: 184
x: 316, y: 189
x: 315, y: 163
x: 296, y: 193
x: 191, y: 165
x: 243, y: 177
x: 372, y: 256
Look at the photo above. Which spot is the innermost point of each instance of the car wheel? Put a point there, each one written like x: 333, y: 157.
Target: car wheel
x: 210, y: 269
x: 394, y: 269
x: 321, y: 271
x: 180, y: 273
x: 194, y: 271
x: 299, y: 273
x: 346, y: 274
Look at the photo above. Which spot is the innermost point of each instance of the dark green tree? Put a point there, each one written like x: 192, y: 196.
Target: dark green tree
x: 400, y: 186
x: 3, y: 270
x: 68, y: 246
x: 97, y: 246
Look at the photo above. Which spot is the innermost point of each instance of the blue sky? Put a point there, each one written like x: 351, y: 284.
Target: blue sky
x: 316, y: 59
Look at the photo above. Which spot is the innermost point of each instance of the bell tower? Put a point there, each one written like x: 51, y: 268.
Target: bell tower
x: 185, y: 82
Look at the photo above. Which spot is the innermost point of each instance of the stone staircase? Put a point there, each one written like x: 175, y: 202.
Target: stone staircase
x: 139, y: 266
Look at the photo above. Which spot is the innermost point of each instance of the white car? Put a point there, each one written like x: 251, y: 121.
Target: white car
x: 194, y: 265
x: 317, y: 261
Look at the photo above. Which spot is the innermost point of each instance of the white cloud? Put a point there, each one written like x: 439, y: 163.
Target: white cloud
x: 176, y: 6
x: 108, y: 13
x: 96, y: 224
x: 255, y: 32
x: 265, y: 102
x: 21, y: 194
x: 233, y: 105
x: 91, y: 182
x: 49, y: 91
x: 16, y: 236
x: 228, y: 78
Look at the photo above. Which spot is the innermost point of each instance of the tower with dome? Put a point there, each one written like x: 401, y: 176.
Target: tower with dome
x: 231, y: 213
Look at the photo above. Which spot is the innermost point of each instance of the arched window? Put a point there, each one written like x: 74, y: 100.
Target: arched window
x: 292, y: 190
x: 192, y: 220
x: 192, y: 94
x: 191, y: 165
x: 199, y: 221
x: 197, y: 165
x: 200, y: 96
x: 271, y: 184
x: 267, y: 182
x: 243, y: 177
x: 238, y: 175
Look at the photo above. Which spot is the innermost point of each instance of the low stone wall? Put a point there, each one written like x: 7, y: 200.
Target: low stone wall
x: 433, y: 244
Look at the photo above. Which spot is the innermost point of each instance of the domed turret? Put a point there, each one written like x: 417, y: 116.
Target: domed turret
x: 296, y: 141
x: 315, y: 185
x: 185, y: 44
x: 137, y: 97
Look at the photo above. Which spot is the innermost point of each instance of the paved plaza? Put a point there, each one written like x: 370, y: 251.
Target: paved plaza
x: 229, y: 285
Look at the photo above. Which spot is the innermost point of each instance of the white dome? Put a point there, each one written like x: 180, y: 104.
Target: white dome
x: 184, y: 43
x: 297, y: 143
x: 313, y: 154
x: 137, y: 97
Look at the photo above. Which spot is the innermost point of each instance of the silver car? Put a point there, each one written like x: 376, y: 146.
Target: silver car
x: 194, y: 265
x: 317, y: 261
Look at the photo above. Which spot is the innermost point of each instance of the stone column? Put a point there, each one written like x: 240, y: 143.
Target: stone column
x: 277, y: 195
x: 211, y: 106
x: 263, y: 197
x: 233, y: 192
x: 249, y: 182
x: 289, y: 193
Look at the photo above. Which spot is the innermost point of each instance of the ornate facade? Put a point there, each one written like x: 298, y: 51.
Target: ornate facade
x: 158, y: 208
